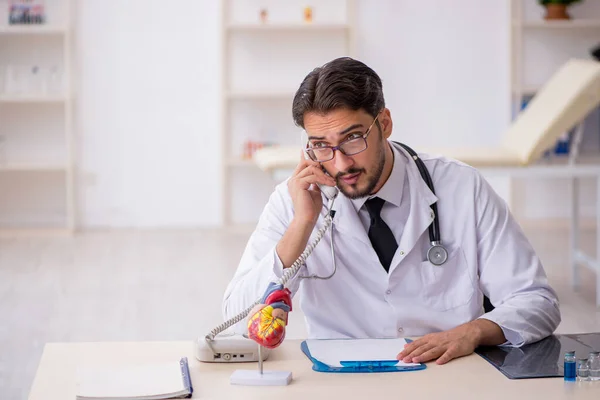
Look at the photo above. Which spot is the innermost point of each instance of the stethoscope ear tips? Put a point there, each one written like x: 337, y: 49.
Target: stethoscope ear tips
x: 437, y: 254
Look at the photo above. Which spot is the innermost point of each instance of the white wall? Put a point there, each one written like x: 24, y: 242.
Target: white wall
x: 444, y: 67
x: 147, y: 112
x: 147, y: 109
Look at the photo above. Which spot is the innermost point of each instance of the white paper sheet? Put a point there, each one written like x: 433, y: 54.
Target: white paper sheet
x: 331, y: 352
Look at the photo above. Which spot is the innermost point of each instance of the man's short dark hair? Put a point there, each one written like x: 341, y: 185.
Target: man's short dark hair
x: 341, y: 83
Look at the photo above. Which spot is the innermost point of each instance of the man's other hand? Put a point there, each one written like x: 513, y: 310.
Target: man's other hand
x: 458, y: 342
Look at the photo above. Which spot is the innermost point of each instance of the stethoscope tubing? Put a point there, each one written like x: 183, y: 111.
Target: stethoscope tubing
x: 434, y: 227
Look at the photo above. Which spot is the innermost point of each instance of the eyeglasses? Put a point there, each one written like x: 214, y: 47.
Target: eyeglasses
x: 353, y: 145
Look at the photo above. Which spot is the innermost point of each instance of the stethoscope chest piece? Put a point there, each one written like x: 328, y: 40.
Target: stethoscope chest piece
x: 437, y: 254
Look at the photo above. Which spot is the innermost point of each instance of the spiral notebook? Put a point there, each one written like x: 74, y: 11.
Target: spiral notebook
x: 169, y: 380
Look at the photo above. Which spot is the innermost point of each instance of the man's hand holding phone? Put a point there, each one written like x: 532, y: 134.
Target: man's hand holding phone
x: 304, y: 191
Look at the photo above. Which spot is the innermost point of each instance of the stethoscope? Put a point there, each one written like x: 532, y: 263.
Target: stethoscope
x: 437, y: 253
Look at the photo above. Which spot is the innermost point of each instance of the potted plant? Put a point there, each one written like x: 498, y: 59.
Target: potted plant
x: 557, y: 9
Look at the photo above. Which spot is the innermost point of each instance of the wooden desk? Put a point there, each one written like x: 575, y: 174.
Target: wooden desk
x: 466, y: 378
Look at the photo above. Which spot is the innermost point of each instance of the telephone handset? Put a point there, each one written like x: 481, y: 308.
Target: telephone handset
x: 237, y: 348
x: 329, y: 191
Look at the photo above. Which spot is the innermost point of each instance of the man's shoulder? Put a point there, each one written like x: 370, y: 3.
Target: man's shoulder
x: 457, y: 176
x: 441, y: 164
x: 281, y: 190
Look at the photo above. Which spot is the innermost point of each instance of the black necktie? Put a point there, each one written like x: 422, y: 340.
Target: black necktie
x: 380, y: 234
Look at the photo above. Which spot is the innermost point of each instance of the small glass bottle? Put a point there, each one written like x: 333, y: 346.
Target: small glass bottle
x: 594, y: 366
x: 570, y: 368
x: 583, y: 370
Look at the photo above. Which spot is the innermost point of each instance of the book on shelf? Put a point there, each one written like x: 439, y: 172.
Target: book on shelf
x: 26, y: 12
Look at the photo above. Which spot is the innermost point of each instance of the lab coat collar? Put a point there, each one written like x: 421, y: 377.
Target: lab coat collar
x: 347, y: 220
x: 421, y: 214
x: 416, y: 181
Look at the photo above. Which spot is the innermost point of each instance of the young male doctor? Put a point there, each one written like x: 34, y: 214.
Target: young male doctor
x: 384, y: 284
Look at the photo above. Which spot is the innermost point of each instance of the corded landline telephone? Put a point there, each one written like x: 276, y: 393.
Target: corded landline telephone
x: 237, y: 348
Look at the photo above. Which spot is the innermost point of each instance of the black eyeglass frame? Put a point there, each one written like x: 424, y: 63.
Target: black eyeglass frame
x: 340, y: 147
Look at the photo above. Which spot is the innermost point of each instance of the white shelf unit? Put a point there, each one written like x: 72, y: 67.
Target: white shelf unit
x: 281, y: 27
x: 258, y: 95
x: 33, y: 29
x: 36, y: 124
x: 32, y: 167
x: 21, y: 99
x: 538, y: 47
x: 559, y: 24
x: 263, y: 65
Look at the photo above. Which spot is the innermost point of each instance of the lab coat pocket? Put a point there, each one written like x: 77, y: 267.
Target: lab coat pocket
x: 449, y: 285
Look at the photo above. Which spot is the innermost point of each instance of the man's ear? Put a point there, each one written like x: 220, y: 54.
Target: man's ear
x: 386, y: 123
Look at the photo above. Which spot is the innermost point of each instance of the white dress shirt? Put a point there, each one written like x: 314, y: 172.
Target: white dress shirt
x: 488, y: 254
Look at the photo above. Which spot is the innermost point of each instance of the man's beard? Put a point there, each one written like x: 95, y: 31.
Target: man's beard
x: 371, y: 180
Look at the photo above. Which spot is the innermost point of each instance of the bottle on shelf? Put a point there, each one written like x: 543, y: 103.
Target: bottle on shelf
x: 308, y: 14
x: 264, y: 15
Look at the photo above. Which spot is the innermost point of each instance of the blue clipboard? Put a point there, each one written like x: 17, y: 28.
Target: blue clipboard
x: 358, y: 367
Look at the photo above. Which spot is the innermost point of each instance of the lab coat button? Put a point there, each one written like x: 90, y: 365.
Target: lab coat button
x: 401, y: 253
x: 400, y: 330
x: 388, y: 292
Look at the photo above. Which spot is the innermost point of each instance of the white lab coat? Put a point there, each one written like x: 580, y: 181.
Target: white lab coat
x: 488, y: 254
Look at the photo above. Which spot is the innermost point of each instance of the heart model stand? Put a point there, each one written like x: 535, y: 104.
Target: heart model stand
x: 249, y: 377
x: 266, y: 326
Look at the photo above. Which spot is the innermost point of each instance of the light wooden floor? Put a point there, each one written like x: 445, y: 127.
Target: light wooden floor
x: 165, y: 285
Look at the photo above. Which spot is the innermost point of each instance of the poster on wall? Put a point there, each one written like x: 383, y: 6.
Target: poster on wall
x: 26, y: 12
